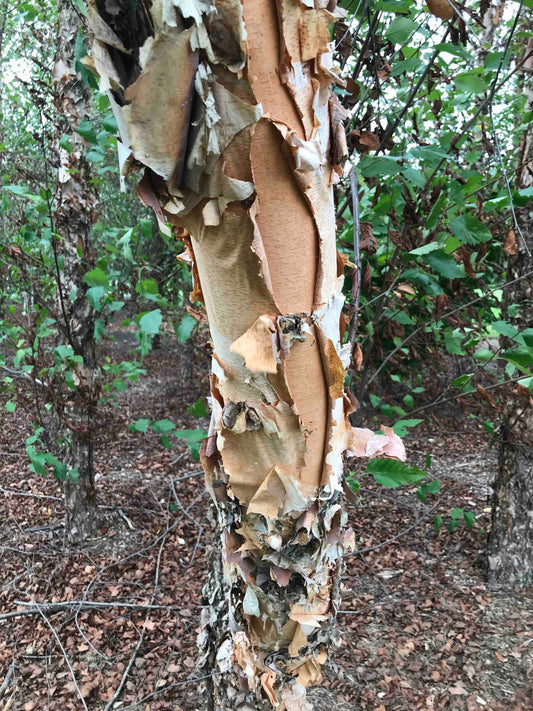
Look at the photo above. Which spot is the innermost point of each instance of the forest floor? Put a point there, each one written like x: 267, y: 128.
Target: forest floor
x: 419, y: 627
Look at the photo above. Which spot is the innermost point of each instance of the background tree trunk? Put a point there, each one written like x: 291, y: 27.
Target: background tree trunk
x: 510, y: 546
x: 74, y: 205
x: 229, y: 107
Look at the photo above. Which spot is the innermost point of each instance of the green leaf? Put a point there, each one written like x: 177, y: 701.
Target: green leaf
x: 16, y: 189
x: 392, y: 473
x: 165, y: 442
x: 437, y: 523
x: 65, y: 143
x: 444, y: 264
x: 59, y: 469
x: 96, y: 277
x: 399, y: 6
x: 99, y: 329
x: 80, y: 7
x: 504, y: 328
x: 414, y: 176
x: 372, y: 167
x: 110, y: 124
x: 483, y: 355
x: 471, y: 81
x: 400, y: 29
x: 162, y: 426
x: 11, y: 406
x: 86, y: 131
x: 198, y: 409
x: 454, y: 341
x: 401, y: 427
x: 353, y: 483
x: 374, y: 399
x: 74, y: 475
x: 191, y: 435
x: 431, y: 487
x: 148, y: 288
x: 436, y: 212
x: 456, y: 513
x: 453, y: 525
x: 405, y: 65
x: 469, y: 518
x: 150, y: 322
x: 469, y: 229
x: 409, y: 401
x: 527, y: 336
x: 184, y: 328
x: 140, y: 426
x: 95, y: 155
x: 194, y: 439
x: 462, y: 380
x: 489, y: 427
x: 424, y: 280
x: 62, y: 352
x: 426, y: 248
x: 521, y: 358
x: 94, y: 296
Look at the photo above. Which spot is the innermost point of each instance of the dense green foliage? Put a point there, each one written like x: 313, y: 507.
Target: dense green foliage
x: 435, y: 119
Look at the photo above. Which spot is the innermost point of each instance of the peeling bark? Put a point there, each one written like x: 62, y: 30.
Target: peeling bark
x: 74, y: 204
x: 229, y: 107
x: 510, y: 544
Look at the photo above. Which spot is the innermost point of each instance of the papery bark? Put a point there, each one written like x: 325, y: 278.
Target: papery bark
x: 510, y: 544
x: 229, y: 108
x: 74, y: 201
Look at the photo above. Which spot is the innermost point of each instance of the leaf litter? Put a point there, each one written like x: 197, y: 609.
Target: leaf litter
x: 419, y: 628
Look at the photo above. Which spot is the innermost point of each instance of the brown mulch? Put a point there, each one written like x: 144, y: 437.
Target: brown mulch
x: 419, y: 629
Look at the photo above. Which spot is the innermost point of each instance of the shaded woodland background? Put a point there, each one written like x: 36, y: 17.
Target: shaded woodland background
x: 440, y: 134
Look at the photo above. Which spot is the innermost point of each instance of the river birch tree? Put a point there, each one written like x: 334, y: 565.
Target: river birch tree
x: 228, y: 106
x: 510, y: 546
x: 74, y: 204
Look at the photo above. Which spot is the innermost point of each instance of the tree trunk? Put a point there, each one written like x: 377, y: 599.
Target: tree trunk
x: 229, y: 107
x: 510, y: 546
x: 74, y: 204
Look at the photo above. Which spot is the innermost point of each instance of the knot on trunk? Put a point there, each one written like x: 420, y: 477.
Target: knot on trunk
x: 239, y: 417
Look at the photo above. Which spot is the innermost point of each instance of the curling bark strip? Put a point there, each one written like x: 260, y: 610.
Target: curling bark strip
x: 229, y: 107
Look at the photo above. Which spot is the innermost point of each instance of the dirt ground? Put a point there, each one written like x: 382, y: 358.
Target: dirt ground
x: 419, y: 629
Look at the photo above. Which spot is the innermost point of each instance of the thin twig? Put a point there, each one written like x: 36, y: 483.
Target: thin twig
x: 356, y: 278
x: 7, y: 678
x: 459, y: 395
x: 507, y: 184
x: 127, y: 670
x: 188, y: 476
x: 371, y: 607
x: 441, y: 318
x: 405, y: 531
x: 166, y: 688
x: 107, y: 567
x: 12, y: 492
x: 66, y: 605
x: 71, y: 670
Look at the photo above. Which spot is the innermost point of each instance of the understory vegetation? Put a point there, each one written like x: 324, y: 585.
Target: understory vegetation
x: 105, y: 349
